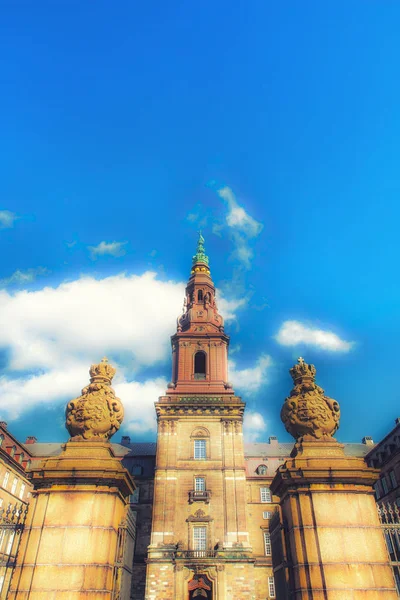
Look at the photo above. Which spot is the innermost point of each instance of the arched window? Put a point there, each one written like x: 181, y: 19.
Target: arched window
x: 200, y: 295
x: 262, y: 470
x: 200, y: 365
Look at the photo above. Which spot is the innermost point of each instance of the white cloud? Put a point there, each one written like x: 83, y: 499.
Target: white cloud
x: 293, y: 333
x: 244, y: 227
x: 23, y: 277
x: 253, y: 425
x: 138, y: 399
x: 7, y: 219
x: 251, y: 379
x: 228, y: 308
x: 53, y: 335
x: 110, y: 248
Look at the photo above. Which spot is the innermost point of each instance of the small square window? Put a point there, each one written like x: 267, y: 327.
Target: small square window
x: 267, y: 514
x: 265, y: 494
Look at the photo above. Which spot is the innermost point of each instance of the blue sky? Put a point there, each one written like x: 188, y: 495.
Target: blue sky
x: 275, y: 127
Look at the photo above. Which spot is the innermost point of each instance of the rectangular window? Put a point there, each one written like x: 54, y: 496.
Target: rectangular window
x: 271, y: 587
x: 393, y: 479
x: 200, y: 449
x: 265, y: 494
x: 1, y: 502
x: 22, y: 491
x: 199, y: 538
x: 14, y: 485
x: 6, y: 477
x: 10, y: 543
x: 199, y: 484
x: 267, y: 543
x: 384, y: 485
x: 266, y: 514
x: 377, y: 488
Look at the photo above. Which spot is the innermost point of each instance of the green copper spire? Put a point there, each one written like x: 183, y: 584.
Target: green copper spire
x: 200, y: 255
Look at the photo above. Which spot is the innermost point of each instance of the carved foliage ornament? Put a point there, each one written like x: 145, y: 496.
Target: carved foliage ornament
x: 97, y: 414
x: 307, y: 413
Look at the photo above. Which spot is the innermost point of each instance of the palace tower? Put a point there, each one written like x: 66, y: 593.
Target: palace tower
x: 200, y: 541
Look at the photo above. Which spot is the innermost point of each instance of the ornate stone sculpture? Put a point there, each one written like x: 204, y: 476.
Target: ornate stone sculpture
x: 97, y: 414
x: 307, y: 413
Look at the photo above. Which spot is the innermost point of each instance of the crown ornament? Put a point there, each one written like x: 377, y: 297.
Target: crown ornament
x: 309, y: 415
x: 97, y: 414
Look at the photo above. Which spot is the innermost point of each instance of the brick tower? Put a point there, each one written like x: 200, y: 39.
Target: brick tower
x: 200, y: 543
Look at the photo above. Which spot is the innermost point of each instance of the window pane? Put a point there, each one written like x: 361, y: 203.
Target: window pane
x: 271, y: 587
x: 266, y: 514
x: 385, y: 485
x: 199, y: 484
x: 22, y: 490
x: 267, y: 543
x: 14, y: 485
x: 393, y: 479
x: 5, y: 480
x: 265, y: 494
x: 200, y: 449
x: 199, y: 538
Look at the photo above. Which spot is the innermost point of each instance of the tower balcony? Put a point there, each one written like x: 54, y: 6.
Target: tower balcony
x: 199, y: 496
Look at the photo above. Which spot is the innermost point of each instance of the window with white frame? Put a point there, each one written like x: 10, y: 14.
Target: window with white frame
x: 199, y: 484
x: 22, y: 491
x: 267, y: 543
x: 271, y: 587
x: 6, y: 478
x: 10, y: 543
x: 199, y: 449
x: 265, y: 494
x: 393, y: 479
x: 267, y: 514
x: 384, y: 485
x: 199, y: 538
x: 14, y: 485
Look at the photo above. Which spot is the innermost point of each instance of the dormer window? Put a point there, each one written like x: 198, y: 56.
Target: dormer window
x: 200, y: 365
x: 13, y: 451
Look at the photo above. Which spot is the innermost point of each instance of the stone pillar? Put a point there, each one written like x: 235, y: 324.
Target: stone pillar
x: 334, y: 547
x: 79, y: 534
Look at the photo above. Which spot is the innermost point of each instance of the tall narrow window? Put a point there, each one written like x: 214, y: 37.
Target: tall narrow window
x: 6, y: 477
x: 1, y: 439
x: 265, y: 494
x: 393, y: 479
x: 384, y: 485
x: 200, y: 296
x: 199, y: 449
x: 22, y: 491
x: 267, y: 543
x: 199, y: 538
x: 200, y: 365
x: 14, y: 485
x: 13, y: 451
x: 271, y: 587
x: 199, y: 484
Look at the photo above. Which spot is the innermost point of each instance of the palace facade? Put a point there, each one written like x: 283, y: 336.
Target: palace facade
x: 209, y: 523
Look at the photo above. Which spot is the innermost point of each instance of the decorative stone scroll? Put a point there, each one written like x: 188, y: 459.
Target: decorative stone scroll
x: 97, y: 414
x: 307, y: 413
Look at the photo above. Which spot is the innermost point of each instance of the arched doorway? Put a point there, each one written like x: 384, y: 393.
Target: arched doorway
x: 200, y: 588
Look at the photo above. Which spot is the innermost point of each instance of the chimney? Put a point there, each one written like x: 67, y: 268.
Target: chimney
x: 125, y: 440
x: 30, y: 439
x: 368, y: 441
x: 273, y: 439
x: 3, y: 424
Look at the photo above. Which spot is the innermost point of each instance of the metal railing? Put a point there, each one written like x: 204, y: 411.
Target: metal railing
x: 389, y: 516
x: 199, y: 496
x: 12, y: 520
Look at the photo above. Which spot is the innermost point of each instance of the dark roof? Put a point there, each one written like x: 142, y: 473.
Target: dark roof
x: 259, y: 449
x: 54, y: 448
